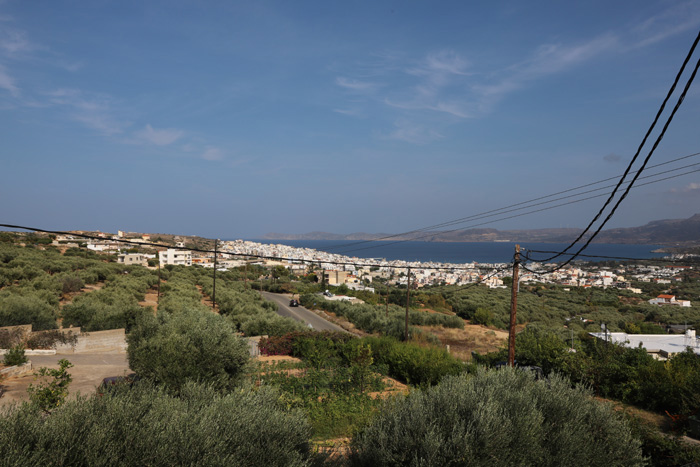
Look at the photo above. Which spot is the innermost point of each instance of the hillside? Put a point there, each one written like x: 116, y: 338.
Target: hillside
x: 664, y: 232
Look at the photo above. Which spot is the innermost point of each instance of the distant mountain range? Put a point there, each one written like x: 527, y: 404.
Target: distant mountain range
x: 662, y: 232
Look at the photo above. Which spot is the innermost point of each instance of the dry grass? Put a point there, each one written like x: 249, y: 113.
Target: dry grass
x: 473, y: 337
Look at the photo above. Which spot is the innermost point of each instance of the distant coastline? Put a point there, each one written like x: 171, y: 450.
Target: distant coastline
x: 666, y: 233
x: 458, y: 252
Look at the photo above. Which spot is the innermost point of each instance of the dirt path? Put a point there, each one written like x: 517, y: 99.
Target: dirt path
x: 151, y: 299
x: 67, y: 299
x: 206, y: 300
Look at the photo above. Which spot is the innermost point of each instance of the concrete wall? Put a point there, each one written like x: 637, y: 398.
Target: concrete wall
x: 96, y: 341
x: 24, y: 329
x: 17, y: 370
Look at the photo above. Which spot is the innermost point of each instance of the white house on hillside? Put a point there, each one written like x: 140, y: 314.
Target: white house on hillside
x: 669, y: 300
x: 176, y: 257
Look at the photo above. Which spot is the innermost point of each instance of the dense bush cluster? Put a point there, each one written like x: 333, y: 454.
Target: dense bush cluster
x: 114, y: 306
x: 144, y: 425
x: 406, y: 361
x: 614, y: 371
x: 551, y: 305
x: 188, y: 345
x: 247, y: 311
x: 497, y: 418
x: 33, y: 281
x: 413, y: 363
x: 376, y: 319
x: 291, y: 343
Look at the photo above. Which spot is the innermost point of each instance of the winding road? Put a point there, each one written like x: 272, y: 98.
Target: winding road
x: 300, y: 313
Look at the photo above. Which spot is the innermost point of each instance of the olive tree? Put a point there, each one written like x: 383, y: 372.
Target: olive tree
x: 498, y: 417
x: 173, y: 348
x: 145, y: 425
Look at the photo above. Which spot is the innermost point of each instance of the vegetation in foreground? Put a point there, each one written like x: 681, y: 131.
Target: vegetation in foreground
x: 501, y: 417
x: 328, y: 394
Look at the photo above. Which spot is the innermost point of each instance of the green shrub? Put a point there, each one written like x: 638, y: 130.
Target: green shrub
x: 146, y: 426
x: 50, y: 393
x: 31, y: 309
x: 172, y: 349
x: 271, y: 325
x: 500, y: 417
x: 289, y: 344
x: 15, y: 356
x: 413, y: 363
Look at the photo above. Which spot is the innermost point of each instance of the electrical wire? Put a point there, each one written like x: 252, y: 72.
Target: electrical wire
x: 524, y: 213
x: 505, y: 208
x: 245, y: 255
x: 646, y: 160
x: 527, y: 251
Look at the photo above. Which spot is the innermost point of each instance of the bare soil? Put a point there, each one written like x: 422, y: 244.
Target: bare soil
x: 206, y: 300
x: 151, y: 299
x: 67, y: 299
x: 473, y: 337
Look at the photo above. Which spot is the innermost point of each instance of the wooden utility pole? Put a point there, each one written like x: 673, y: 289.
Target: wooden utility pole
x: 513, y: 307
x: 158, y: 298
x: 213, y: 294
x: 408, y: 300
x: 245, y: 279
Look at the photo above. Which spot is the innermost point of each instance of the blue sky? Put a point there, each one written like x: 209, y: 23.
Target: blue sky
x: 234, y: 119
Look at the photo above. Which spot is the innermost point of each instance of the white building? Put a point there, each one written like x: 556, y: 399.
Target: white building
x: 176, y: 257
x: 669, y: 300
x: 659, y: 346
x: 133, y: 258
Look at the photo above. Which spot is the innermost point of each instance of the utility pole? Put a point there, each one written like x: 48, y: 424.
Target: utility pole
x: 245, y: 279
x: 213, y: 294
x: 513, y: 307
x: 408, y: 300
x: 158, y: 298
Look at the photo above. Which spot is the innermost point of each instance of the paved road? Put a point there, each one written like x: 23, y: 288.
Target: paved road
x: 300, y: 313
x: 87, y: 373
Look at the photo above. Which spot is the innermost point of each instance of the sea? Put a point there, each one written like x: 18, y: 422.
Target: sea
x: 460, y: 252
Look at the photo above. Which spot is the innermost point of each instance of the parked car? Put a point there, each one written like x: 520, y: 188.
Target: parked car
x: 108, y: 384
x: 293, y: 302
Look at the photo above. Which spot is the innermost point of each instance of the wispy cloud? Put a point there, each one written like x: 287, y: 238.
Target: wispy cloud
x: 440, y: 67
x: 8, y: 83
x: 679, y: 18
x: 690, y: 189
x: 690, y: 193
x: 92, y: 110
x: 411, y: 132
x: 161, y: 137
x: 355, y: 85
x: 443, y: 87
x: 14, y: 41
x: 212, y: 154
x: 547, y: 59
x: 350, y: 112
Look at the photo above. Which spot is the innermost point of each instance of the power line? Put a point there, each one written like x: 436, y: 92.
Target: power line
x: 246, y: 255
x: 504, y: 209
x: 620, y: 258
x: 527, y: 212
x: 646, y: 160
